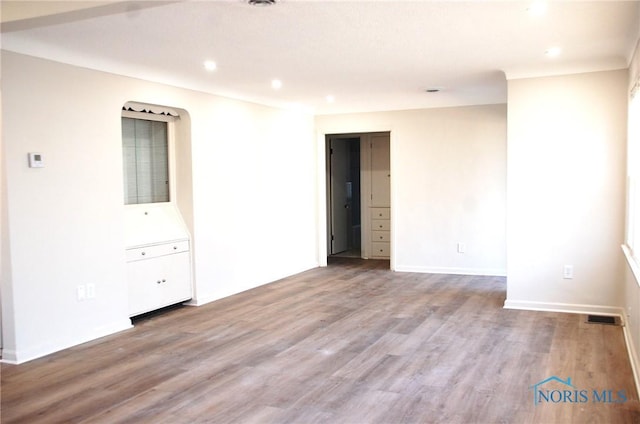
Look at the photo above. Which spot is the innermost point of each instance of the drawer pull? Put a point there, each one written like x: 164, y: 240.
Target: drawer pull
x: 175, y: 247
x: 143, y: 253
x: 381, y: 237
x: 158, y: 282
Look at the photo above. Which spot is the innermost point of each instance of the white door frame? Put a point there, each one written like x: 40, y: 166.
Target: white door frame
x: 321, y: 167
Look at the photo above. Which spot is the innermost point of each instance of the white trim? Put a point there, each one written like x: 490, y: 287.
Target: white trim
x: 565, y: 307
x: 321, y: 215
x: 491, y: 272
x: 212, y: 297
x: 633, y: 356
x: 15, y: 357
x: 633, y: 265
x: 628, y: 335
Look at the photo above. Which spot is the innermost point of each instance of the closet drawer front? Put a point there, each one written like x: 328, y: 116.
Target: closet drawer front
x: 380, y: 225
x: 380, y: 236
x: 157, y: 250
x: 380, y: 213
x: 380, y: 250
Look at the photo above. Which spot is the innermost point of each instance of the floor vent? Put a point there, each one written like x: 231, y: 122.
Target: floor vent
x: 602, y: 319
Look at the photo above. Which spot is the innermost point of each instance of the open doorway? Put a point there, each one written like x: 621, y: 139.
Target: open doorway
x: 358, y: 195
x: 344, y: 197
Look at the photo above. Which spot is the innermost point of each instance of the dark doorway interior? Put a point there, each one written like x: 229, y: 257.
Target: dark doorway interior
x: 345, y: 198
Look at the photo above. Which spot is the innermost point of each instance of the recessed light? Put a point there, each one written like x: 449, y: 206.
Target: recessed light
x: 537, y: 8
x: 553, y: 52
x: 210, y: 65
x: 330, y: 99
x: 276, y: 84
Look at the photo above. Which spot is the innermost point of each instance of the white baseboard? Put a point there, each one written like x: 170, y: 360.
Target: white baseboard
x: 633, y: 356
x: 16, y: 357
x: 203, y: 299
x: 565, y: 307
x: 491, y: 272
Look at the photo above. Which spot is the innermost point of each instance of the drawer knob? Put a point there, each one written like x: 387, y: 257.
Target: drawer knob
x: 381, y: 237
x: 143, y: 253
x: 175, y: 247
x: 158, y: 282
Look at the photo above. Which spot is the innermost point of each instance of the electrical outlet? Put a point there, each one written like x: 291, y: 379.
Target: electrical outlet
x: 81, y: 292
x: 91, y: 291
x: 462, y: 247
x: 567, y: 272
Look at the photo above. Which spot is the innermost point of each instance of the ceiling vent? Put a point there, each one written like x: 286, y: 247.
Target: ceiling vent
x: 261, y: 2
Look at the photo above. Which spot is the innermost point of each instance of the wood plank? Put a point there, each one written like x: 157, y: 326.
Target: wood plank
x: 353, y: 342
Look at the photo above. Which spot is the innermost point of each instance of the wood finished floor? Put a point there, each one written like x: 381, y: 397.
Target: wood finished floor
x: 351, y: 343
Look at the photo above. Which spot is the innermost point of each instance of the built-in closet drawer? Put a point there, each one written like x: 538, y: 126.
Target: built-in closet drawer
x: 380, y: 225
x: 380, y: 249
x: 153, y: 251
x: 380, y: 234
x: 380, y: 213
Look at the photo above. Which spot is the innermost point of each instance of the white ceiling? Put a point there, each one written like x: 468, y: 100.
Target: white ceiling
x: 369, y: 55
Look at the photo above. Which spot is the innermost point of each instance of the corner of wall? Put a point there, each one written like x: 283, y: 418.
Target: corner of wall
x: 5, y: 258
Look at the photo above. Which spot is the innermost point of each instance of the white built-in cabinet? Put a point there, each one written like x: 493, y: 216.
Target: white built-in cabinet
x: 158, y: 276
x: 158, y: 256
x: 380, y: 198
x: 380, y: 232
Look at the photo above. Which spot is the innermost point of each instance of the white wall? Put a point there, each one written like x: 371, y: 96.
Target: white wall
x: 5, y: 271
x: 448, y: 185
x: 253, y: 182
x: 254, y: 196
x: 566, y: 190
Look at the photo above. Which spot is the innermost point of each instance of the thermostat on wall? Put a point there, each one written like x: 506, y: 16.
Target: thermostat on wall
x: 35, y: 160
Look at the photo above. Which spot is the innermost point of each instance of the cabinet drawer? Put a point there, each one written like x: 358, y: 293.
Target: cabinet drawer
x: 380, y: 236
x: 380, y: 213
x: 380, y: 249
x: 156, y: 250
x: 380, y: 225
x: 158, y: 282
